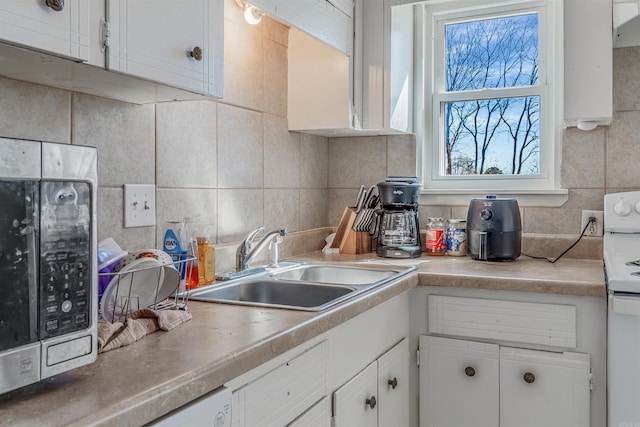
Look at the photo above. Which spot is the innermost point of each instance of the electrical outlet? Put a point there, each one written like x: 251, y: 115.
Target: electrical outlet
x: 594, y: 229
x: 139, y: 205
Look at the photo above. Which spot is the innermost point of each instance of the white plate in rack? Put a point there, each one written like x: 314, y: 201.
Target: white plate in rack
x: 134, y: 287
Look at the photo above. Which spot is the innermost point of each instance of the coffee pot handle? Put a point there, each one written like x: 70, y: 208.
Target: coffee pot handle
x: 374, y: 222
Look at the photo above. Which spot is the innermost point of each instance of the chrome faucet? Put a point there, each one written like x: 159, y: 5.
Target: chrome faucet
x: 245, y: 253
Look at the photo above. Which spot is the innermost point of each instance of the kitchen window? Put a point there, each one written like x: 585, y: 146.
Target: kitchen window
x: 491, y: 86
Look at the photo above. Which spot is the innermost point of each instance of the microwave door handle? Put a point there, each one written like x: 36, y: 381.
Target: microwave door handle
x: 625, y: 305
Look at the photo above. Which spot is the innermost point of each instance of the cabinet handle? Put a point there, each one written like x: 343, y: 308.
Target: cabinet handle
x: 393, y: 383
x: 56, y: 5
x: 529, y: 377
x: 469, y: 371
x: 196, y: 53
x: 371, y: 402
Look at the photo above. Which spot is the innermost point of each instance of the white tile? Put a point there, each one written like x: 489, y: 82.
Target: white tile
x: 314, y: 208
x: 623, y: 155
x: 239, y: 212
x: 29, y: 111
x: 281, y: 154
x: 186, y: 144
x: 124, y: 135
x: 111, y: 223
x: 243, y: 81
x: 196, y: 205
x: 314, y: 161
x: 240, y: 148
x: 275, y: 78
x: 357, y: 161
x: 282, y: 209
x: 401, y: 155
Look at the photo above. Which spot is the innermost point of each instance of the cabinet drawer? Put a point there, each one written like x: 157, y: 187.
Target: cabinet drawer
x: 280, y: 396
x: 319, y: 415
x: 534, y: 323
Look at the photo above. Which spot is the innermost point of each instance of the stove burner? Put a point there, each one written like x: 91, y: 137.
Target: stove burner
x: 635, y: 263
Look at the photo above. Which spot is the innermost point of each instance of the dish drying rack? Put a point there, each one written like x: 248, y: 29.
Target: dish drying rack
x: 123, y: 297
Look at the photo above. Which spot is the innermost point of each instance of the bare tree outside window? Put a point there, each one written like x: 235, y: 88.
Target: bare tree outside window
x: 500, y: 135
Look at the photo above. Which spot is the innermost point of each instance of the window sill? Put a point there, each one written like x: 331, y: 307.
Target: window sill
x: 551, y: 198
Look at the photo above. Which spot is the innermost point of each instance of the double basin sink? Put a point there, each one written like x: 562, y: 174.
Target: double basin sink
x: 308, y: 287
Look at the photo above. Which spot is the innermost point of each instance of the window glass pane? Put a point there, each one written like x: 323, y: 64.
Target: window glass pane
x: 492, y: 53
x: 492, y: 136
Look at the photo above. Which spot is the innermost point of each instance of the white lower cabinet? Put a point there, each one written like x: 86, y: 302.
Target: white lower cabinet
x: 468, y: 383
x: 459, y: 383
x: 378, y: 395
x: 319, y: 415
x: 283, y: 394
x: 541, y: 388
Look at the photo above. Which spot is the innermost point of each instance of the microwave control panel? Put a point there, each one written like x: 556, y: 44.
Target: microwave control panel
x: 65, y: 251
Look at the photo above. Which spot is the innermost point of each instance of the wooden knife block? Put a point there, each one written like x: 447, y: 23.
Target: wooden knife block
x: 348, y: 240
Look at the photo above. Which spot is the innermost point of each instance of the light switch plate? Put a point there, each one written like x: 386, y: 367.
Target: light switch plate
x: 139, y: 205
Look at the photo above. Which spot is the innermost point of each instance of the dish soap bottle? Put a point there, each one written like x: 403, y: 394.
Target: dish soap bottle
x: 206, y: 261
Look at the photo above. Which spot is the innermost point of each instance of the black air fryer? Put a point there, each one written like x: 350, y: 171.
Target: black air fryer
x: 494, y: 229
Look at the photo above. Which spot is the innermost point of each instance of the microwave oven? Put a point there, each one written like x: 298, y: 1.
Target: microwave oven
x: 48, y: 262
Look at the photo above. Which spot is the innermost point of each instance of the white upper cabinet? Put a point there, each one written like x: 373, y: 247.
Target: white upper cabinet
x: 329, y: 21
x: 383, y: 70
x: 626, y: 24
x: 588, y: 62
x: 175, y: 43
x: 60, y: 27
x: 367, y: 89
x: 141, y: 51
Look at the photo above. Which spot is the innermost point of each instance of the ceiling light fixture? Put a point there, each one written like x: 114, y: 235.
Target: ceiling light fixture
x: 587, y: 125
x: 252, y: 14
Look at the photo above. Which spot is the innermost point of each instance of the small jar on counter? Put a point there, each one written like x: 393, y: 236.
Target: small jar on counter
x: 456, y: 237
x: 435, y: 244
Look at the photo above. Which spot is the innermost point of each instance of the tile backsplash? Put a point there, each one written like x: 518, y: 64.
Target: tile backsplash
x: 234, y: 164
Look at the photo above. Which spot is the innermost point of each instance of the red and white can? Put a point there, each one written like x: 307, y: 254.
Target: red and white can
x: 435, y: 241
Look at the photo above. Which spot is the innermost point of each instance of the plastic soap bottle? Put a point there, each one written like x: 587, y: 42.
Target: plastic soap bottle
x: 206, y: 261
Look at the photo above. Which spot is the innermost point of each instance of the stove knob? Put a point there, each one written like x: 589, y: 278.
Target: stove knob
x: 638, y: 207
x: 622, y: 208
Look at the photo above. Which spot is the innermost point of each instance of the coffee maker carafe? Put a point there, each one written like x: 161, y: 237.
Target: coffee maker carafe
x: 399, y: 232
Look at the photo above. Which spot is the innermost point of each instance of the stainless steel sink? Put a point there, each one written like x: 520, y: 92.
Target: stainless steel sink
x: 343, y: 275
x: 308, y: 287
x: 273, y: 292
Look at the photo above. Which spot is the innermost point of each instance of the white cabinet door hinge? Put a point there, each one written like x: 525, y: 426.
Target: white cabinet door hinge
x: 590, y: 380
x: 104, y: 34
x: 418, y: 357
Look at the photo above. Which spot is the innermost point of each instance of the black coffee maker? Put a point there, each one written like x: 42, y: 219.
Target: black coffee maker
x: 399, y: 232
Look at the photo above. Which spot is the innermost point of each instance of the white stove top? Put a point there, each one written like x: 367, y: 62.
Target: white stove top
x: 621, y: 245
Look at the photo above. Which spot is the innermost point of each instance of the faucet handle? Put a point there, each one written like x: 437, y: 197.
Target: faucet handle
x: 248, y: 240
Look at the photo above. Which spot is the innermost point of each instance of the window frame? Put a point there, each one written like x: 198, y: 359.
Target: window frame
x: 549, y: 88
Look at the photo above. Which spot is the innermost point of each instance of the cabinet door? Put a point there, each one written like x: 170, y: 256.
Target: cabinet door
x: 588, y: 62
x: 62, y: 29
x: 174, y: 43
x: 458, y: 383
x: 355, y: 404
x: 319, y: 415
x: 539, y: 388
x: 282, y: 395
x: 393, y: 386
